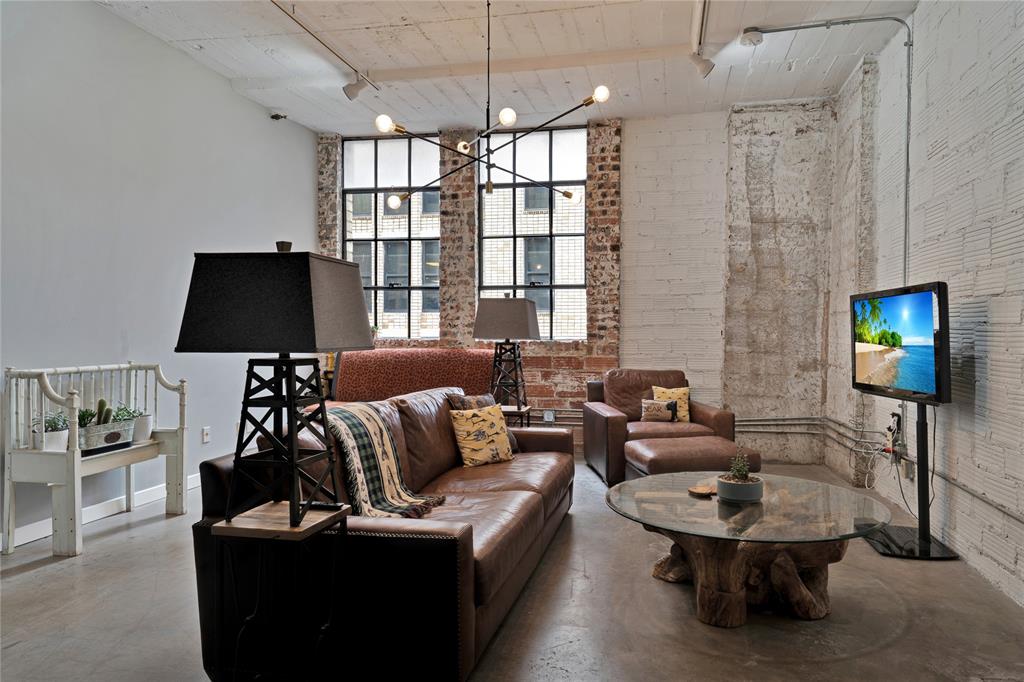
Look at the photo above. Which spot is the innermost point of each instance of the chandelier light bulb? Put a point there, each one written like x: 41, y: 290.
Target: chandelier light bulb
x: 601, y: 94
x: 575, y: 198
x: 507, y: 116
x: 463, y: 147
x: 384, y: 124
x: 394, y: 201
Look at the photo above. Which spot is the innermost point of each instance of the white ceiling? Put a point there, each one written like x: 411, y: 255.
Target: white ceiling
x: 546, y: 55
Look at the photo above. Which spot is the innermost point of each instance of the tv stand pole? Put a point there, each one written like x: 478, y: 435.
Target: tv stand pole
x: 906, y: 542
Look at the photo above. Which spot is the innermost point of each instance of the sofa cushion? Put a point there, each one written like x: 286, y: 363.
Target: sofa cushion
x: 482, y: 436
x: 505, y: 525
x: 625, y: 388
x: 428, y: 434
x: 548, y: 474
x: 640, y: 430
x: 668, y: 455
x: 457, y: 401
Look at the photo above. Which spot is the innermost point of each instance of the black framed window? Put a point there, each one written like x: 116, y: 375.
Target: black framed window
x: 398, y: 250
x: 532, y: 239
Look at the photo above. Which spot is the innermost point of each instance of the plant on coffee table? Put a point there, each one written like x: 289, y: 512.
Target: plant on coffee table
x: 738, y: 485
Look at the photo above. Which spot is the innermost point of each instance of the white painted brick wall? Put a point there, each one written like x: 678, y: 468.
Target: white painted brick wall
x: 673, y: 247
x: 967, y: 228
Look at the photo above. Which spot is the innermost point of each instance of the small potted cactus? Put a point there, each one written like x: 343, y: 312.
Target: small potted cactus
x: 105, y: 428
x: 54, y: 434
x: 737, y: 485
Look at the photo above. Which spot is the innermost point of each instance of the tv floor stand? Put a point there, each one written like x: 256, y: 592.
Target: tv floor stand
x: 906, y: 542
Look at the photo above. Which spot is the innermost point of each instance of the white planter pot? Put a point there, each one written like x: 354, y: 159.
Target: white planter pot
x: 52, y: 441
x: 105, y: 436
x: 730, y: 491
x: 143, y: 429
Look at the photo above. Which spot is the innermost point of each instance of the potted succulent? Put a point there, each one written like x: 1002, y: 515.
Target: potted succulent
x: 54, y: 437
x: 737, y: 485
x: 108, y: 430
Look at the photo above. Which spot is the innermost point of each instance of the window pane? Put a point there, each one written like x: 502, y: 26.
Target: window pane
x: 393, y: 314
x: 391, y: 223
x: 502, y: 158
x: 532, y: 156
x: 570, y: 317
x: 497, y: 261
x: 431, y: 263
x: 426, y: 323
x: 362, y: 254
x: 533, y: 215
x: 393, y: 269
x: 570, y: 218
x: 393, y: 163
x: 543, y: 300
x: 569, y: 260
x: 357, y: 163
x: 534, y: 256
x: 569, y: 154
x: 497, y: 212
x: 426, y: 214
x: 426, y: 163
x: 358, y: 216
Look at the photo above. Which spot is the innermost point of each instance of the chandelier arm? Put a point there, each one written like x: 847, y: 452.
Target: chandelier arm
x: 519, y: 136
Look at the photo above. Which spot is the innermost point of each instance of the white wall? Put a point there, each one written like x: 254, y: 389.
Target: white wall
x: 122, y: 157
x: 967, y: 228
x: 673, y: 247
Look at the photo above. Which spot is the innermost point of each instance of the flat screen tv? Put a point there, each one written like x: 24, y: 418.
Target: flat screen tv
x: 900, y: 343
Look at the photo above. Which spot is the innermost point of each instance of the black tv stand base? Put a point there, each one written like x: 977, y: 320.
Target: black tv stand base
x: 903, y: 542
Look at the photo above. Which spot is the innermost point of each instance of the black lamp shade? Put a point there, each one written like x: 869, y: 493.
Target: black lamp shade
x: 273, y: 303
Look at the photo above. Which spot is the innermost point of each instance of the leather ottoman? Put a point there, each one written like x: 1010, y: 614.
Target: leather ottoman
x: 694, y: 453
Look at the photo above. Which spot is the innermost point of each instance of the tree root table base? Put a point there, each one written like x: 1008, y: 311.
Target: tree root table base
x: 729, y: 575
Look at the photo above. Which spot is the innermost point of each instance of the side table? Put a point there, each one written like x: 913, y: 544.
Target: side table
x: 277, y: 592
x: 521, y: 414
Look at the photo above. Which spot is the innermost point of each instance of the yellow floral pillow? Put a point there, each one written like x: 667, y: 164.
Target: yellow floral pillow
x: 482, y: 436
x: 680, y: 395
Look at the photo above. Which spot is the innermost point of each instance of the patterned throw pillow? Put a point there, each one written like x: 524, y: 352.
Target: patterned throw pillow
x: 658, y: 411
x: 457, y: 401
x: 482, y: 436
x: 680, y: 395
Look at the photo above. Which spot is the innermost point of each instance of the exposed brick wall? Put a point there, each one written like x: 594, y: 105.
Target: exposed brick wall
x: 779, y: 185
x: 967, y: 228
x: 328, y: 193
x: 556, y: 371
x: 674, y: 246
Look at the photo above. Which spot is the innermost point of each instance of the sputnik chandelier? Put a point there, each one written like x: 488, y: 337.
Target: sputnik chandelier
x: 506, y: 118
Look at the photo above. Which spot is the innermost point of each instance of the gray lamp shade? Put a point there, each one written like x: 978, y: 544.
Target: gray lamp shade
x: 273, y: 303
x: 506, y: 318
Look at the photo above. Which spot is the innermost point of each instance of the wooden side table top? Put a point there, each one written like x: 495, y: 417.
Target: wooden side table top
x: 270, y: 521
x: 512, y: 409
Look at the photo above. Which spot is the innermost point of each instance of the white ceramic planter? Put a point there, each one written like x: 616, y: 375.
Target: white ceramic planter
x: 143, y: 429
x: 52, y: 441
x: 104, y: 435
x: 730, y: 491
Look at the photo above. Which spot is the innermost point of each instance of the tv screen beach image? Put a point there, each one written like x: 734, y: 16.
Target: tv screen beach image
x: 894, y: 339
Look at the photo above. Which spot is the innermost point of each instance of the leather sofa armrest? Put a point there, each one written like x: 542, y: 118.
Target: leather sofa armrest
x: 722, y: 421
x: 595, y: 391
x: 604, y: 441
x: 543, y: 439
x: 405, y: 568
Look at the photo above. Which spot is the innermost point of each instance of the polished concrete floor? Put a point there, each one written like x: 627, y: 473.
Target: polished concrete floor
x: 126, y: 610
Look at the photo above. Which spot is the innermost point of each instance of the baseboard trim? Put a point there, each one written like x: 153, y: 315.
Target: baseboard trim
x: 94, y: 512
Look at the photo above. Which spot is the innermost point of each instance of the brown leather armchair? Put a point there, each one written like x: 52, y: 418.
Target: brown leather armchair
x: 611, y: 416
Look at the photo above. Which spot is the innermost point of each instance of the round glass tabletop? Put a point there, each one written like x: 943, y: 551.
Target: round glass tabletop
x: 792, y: 509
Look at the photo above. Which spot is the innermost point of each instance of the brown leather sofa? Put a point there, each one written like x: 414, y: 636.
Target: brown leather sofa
x: 425, y: 596
x: 611, y: 417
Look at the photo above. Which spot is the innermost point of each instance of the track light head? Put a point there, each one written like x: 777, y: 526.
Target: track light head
x: 704, y: 66
x: 353, y: 89
x: 751, y: 37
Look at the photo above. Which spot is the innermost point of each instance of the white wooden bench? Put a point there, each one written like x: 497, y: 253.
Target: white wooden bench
x: 31, y: 394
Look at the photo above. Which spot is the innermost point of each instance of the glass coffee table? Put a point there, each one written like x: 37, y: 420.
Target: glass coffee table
x: 774, y: 552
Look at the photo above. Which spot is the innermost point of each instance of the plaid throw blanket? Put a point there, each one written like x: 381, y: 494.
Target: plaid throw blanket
x: 373, y: 473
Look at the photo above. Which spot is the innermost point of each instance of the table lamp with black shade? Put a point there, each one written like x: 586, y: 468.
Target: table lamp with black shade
x: 279, y: 303
x: 509, y: 320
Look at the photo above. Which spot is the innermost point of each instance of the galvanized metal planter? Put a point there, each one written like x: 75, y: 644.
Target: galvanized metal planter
x: 105, y: 437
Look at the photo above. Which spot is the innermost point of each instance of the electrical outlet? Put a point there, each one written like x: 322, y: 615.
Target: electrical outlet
x: 206, y: 434
x: 549, y: 416
x: 908, y: 469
